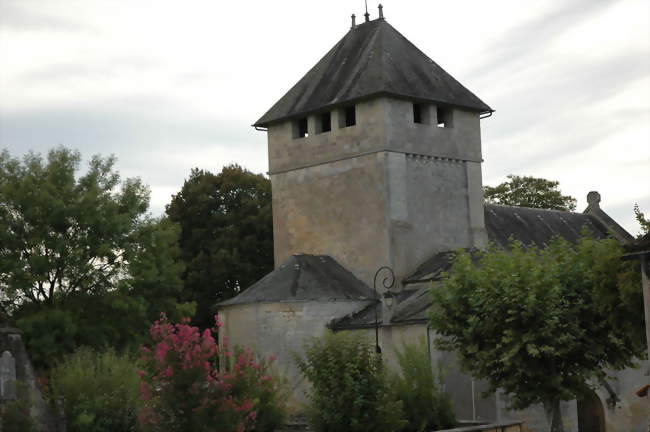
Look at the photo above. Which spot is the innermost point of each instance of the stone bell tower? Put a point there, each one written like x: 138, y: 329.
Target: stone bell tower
x: 375, y: 157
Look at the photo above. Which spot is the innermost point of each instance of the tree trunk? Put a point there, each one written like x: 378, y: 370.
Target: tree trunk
x: 554, y: 415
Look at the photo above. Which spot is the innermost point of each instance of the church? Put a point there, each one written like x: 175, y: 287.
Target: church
x: 375, y: 161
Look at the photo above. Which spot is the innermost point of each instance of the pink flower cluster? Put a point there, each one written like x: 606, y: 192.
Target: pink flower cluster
x: 189, y: 382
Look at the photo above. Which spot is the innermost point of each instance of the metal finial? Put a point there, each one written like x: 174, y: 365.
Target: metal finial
x: 354, y: 21
x: 367, y: 15
x: 381, y: 11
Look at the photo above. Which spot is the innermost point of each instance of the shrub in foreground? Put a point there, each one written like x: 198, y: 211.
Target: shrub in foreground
x: 189, y: 383
x: 99, y: 391
x: 426, y: 405
x: 350, y: 390
x: 15, y: 415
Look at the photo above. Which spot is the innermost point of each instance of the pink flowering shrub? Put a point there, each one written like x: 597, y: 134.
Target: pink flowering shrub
x: 189, y: 383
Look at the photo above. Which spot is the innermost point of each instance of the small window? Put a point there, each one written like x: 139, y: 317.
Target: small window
x: 417, y: 113
x: 420, y: 113
x: 300, y: 128
x: 350, y: 116
x: 325, y: 122
x: 444, y: 117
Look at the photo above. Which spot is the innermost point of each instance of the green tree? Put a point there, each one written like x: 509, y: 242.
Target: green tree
x: 60, y: 235
x: 525, y: 191
x: 226, y: 237
x: 542, y: 324
x: 99, y: 391
x: 426, y: 405
x: 80, y: 261
x: 350, y: 388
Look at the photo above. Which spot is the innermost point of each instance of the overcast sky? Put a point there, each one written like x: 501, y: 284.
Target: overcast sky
x: 171, y: 85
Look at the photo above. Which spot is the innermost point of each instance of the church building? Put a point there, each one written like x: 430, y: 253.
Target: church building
x: 375, y: 161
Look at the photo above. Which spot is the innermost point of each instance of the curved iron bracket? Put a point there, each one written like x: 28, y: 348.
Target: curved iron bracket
x: 387, y: 282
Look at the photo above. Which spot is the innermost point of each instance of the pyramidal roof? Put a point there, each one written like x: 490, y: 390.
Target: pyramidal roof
x: 305, y: 278
x: 372, y: 59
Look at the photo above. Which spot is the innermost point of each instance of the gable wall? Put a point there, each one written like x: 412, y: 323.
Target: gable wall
x: 282, y: 329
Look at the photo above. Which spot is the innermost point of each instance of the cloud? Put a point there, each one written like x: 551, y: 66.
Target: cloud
x: 151, y: 138
x: 17, y: 15
x: 529, y: 38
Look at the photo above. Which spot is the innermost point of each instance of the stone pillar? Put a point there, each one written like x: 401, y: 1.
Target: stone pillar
x: 15, y: 366
x: 7, y: 376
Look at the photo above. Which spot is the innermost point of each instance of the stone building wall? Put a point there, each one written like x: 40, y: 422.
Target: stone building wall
x: 282, y: 329
x: 368, y: 194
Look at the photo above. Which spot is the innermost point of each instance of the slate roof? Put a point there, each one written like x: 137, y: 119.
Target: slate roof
x: 530, y: 226
x: 538, y: 226
x: 639, y: 246
x: 371, y: 59
x: 411, y: 306
x: 305, y: 278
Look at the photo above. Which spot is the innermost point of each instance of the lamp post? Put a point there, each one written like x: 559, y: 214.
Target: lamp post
x: 388, y: 281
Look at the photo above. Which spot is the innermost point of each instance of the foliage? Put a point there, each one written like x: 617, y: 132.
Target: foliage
x: 350, y: 390
x: 15, y: 416
x: 60, y: 235
x: 227, y: 234
x: 155, y: 271
x: 183, y: 388
x: 99, y: 391
x: 426, y: 405
x: 641, y: 219
x: 526, y: 191
x: 80, y: 262
x: 539, y: 324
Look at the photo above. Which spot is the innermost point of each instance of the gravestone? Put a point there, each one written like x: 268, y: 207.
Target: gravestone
x: 7, y: 376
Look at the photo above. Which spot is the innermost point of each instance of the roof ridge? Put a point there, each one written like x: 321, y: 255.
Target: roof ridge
x: 535, y: 208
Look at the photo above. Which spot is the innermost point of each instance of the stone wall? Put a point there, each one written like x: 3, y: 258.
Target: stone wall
x: 282, y: 329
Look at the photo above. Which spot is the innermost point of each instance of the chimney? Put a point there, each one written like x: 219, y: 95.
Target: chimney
x: 381, y: 11
x: 593, y: 199
x: 354, y: 22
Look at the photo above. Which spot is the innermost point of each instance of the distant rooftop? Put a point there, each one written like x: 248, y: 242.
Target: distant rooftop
x: 372, y: 59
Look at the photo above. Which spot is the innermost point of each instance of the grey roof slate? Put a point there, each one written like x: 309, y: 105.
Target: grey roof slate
x: 411, y: 306
x: 304, y: 278
x: 538, y: 226
x: 371, y: 59
x: 530, y: 226
x: 639, y: 245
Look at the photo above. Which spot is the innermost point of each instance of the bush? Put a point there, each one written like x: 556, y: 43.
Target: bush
x: 99, y: 391
x: 426, y: 406
x: 189, y: 383
x: 15, y: 416
x: 268, y: 390
x: 350, y: 387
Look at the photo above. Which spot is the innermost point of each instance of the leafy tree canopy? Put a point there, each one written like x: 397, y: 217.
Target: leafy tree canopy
x: 227, y: 234
x: 525, y: 191
x: 80, y: 262
x: 542, y: 324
